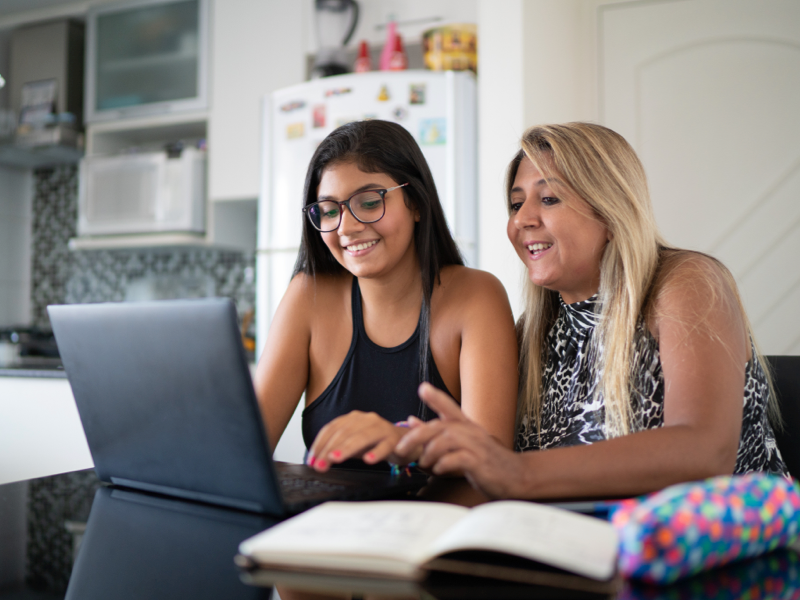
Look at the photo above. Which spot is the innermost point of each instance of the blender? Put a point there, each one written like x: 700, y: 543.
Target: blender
x: 336, y: 22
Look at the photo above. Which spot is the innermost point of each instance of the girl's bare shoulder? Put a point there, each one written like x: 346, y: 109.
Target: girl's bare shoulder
x: 465, y: 290
x: 312, y: 291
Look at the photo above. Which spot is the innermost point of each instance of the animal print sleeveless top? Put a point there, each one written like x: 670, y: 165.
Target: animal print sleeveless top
x: 573, y: 412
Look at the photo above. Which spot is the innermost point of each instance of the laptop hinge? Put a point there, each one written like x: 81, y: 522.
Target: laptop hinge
x: 188, y: 494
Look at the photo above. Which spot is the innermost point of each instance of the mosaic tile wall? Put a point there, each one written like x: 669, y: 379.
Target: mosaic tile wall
x: 61, y: 276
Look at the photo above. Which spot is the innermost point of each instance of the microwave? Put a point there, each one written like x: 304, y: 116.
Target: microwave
x: 149, y: 192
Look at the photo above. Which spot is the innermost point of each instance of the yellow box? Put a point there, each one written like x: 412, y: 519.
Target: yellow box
x: 451, y: 47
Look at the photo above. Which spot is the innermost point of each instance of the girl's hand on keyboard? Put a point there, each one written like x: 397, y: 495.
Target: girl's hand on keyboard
x: 356, y: 435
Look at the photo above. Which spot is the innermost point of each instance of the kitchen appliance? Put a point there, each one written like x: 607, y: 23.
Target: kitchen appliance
x: 438, y: 108
x: 335, y: 21
x: 142, y: 193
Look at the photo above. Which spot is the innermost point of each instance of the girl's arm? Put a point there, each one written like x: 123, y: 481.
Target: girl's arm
x: 703, y: 346
x: 475, y: 331
x: 282, y: 372
x: 489, y: 360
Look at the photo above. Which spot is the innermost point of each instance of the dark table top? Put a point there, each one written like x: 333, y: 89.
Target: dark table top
x: 139, y: 546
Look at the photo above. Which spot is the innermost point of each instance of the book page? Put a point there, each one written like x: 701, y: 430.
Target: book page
x: 399, y: 531
x: 578, y: 543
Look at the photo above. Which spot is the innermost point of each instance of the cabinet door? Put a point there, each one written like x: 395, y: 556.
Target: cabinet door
x: 708, y: 93
x: 147, y: 58
x: 257, y: 47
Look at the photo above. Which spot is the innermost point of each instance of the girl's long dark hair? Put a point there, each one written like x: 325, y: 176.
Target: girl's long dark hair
x: 384, y: 147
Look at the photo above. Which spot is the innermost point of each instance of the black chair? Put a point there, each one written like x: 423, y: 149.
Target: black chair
x: 786, y: 378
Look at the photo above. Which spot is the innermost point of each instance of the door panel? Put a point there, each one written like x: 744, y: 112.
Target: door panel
x: 708, y: 93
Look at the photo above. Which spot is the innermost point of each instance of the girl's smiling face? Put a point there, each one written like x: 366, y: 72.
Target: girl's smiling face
x: 369, y: 250
x: 556, y: 234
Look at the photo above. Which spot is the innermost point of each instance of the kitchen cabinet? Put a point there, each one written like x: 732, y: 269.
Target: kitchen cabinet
x: 146, y: 57
x: 229, y: 226
x: 245, y: 39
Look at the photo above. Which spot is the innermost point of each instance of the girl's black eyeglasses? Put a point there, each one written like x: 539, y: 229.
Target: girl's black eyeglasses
x: 367, y: 207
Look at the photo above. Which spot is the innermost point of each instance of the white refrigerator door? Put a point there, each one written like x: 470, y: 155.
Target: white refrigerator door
x: 437, y: 108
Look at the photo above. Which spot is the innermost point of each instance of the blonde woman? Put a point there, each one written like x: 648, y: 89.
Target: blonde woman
x: 638, y: 367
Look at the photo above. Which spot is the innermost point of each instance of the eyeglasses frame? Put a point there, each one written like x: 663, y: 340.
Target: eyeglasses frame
x: 382, y: 192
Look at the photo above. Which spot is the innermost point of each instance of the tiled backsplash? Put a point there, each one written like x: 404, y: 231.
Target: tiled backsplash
x: 61, y: 276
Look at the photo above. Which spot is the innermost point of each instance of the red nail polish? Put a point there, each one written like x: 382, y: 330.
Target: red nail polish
x: 321, y: 463
x: 311, y: 460
x: 369, y: 456
x: 336, y: 454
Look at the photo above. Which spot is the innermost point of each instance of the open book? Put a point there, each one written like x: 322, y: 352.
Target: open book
x: 517, y: 541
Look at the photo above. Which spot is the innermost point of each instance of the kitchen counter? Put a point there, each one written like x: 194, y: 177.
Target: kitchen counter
x: 49, y: 373
x: 40, y: 430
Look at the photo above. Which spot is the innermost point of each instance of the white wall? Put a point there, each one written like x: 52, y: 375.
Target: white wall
x: 16, y: 198
x: 537, y: 64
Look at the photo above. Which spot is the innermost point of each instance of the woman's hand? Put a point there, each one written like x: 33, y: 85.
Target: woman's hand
x: 357, y: 434
x: 453, y: 443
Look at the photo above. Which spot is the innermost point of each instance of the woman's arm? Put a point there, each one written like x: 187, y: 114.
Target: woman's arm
x: 703, y: 346
x: 282, y: 372
x: 472, y: 335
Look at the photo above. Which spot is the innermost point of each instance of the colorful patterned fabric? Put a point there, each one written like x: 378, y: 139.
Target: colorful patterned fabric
x: 688, y: 528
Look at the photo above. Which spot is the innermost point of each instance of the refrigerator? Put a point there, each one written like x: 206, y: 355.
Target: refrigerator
x: 438, y: 108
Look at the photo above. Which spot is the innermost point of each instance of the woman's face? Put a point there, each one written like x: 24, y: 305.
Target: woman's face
x: 556, y: 234
x: 369, y: 250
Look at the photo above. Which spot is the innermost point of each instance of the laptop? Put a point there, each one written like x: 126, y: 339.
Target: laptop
x: 152, y: 547
x: 164, y: 393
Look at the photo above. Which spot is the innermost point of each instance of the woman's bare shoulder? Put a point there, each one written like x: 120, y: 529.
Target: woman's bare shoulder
x: 691, y: 287
x: 689, y: 272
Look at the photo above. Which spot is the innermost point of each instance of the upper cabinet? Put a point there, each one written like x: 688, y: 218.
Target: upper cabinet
x: 146, y: 58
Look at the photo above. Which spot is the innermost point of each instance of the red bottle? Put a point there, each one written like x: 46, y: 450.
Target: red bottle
x: 399, y: 60
x: 363, y: 62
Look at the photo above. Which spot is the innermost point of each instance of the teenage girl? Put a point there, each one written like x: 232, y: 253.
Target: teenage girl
x: 380, y: 301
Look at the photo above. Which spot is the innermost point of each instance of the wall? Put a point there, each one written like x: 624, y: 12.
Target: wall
x: 536, y: 62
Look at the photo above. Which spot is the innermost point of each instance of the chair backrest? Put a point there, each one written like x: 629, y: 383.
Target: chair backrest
x: 786, y: 377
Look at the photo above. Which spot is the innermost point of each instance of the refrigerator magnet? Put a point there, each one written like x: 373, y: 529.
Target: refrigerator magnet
x: 295, y: 130
x: 293, y: 105
x: 416, y: 94
x: 337, y: 92
x: 318, y: 116
x: 383, y: 95
x: 399, y: 113
x: 433, y: 131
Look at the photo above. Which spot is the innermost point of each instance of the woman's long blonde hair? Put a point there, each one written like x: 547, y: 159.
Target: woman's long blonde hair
x: 599, y: 166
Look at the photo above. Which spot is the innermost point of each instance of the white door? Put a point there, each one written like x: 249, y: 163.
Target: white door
x: 708, y: 93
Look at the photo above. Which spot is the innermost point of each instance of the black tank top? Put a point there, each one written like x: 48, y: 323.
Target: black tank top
x: 372, y: 379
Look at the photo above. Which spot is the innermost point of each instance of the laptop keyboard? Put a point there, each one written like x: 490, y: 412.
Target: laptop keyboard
x: 299, y: 489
